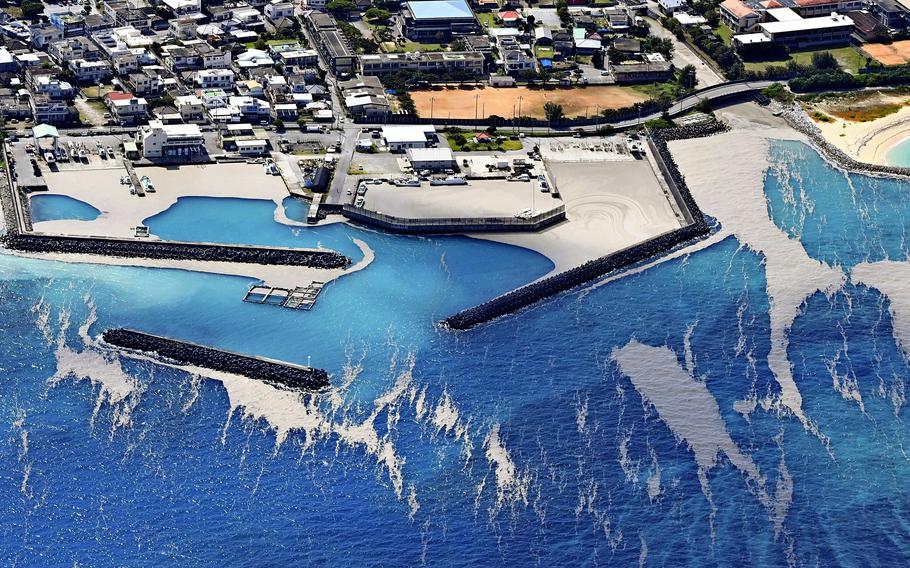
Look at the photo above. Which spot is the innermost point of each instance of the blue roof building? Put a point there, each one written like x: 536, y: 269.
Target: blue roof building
x: 438, y: 20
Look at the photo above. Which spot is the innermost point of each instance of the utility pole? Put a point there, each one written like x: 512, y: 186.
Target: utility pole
x: 476, y: 100
x: 432, y: 103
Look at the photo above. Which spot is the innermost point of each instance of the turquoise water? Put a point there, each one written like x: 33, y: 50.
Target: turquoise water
x: 523, y: 442
x: 899, y: 154
x: 59, y: 207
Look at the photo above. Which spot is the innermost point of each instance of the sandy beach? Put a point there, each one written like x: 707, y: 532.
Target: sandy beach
x: 868, y: 141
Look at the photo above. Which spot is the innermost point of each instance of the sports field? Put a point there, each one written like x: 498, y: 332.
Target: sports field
x: 460, y: 103
x: 894, y: 53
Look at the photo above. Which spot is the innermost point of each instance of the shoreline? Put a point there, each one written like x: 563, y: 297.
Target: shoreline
x: 868, y: 142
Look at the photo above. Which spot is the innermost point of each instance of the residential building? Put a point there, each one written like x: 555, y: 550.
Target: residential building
x: 171, y: 141
x: 336, y: 52
x: 91, y: 71
x: 182, y: 7
x: 53, y: 87
x: 215, y: 78
x: 253, y: 58
x: 276, y: 9
x: 642, y: 72
x: 669, y: 7
x: 891, y: 13
x: 515, y: 62
x: 738, y: 16
x: 146, y: 83
x: 126, y: 108
x: 46, y: 110
x: 42, y: 36
x: 297, y: 57
x: 70, y: 24
x: 365, y: 98
x: 67, y: 50
x: 251, y: 108
x: 467, y: 63
x: 432, y: 20
x: 191, y: 108
x: 313, y: 4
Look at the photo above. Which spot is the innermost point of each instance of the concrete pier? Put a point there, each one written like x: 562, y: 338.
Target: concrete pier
x: 542, y: 289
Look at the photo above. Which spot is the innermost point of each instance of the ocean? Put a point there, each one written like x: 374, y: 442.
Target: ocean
x: 632, y: 423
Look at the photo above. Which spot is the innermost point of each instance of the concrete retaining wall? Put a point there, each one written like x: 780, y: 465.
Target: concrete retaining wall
x: 454, y: 225
x: 533, y: 293
x: 186, y: 353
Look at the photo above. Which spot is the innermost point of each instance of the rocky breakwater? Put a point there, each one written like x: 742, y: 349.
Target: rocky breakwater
x: 542, y: 289
x: 173, y: 250
x: 185, y: 353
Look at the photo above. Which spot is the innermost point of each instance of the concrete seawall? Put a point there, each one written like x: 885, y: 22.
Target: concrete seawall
x: 185, y: 353
x: 454, y: 225
x: 542, y: 289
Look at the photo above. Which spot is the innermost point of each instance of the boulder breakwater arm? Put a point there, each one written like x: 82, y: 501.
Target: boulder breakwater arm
x: 186, y: 353
x: 542, y: 289
x: 174, y: 250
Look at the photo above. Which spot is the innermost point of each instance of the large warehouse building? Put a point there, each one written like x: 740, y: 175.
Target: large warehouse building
x: 438, y: 20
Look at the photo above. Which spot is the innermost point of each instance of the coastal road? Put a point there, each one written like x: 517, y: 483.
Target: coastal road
x: 349, y: 140
x: 683, y: 54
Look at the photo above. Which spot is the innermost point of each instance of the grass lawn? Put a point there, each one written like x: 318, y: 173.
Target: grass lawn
x: 604, y: 2
x: 252, y: 44
x: 545, y: 52
x: 96, y: 91
x: 14, y: 11
x: 849, y: 58
x: 97, y: 105
x: 724, y: 33
x: 487, y: 19
x: 653, y: 90
x: 414, y: 46
x: 470, y: 146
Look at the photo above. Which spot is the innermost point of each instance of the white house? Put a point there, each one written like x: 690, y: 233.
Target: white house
x: 171, y: 140
x: 190, y: 107
x: 669, y: 7
x: 215, y: 79
x: 250, y: 107
x: 400, y: 137
x: 277, y: 9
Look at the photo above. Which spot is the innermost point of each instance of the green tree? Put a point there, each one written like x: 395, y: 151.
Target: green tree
x: 377, y: 15
x: 597, y: 59
x: 341, y: 7
x: 278, y: 124
x: 825, y: 61
x: 562, y: 10
x: 31, y: 9
x: 687, y: 78
x: 553, y: 111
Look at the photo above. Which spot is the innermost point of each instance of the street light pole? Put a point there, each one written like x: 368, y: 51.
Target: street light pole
x: 432, y: 103
x: 476, y: 100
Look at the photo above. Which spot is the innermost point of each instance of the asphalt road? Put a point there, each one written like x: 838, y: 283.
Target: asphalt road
x: 683, y: 55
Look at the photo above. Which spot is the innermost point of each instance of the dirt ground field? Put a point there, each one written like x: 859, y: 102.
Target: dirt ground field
x: 460, y: 103
x: 895, y: 53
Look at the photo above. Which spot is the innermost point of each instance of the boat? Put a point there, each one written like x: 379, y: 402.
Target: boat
x: 452, y: 180
x: 407, y: 182
x: 146, y: 184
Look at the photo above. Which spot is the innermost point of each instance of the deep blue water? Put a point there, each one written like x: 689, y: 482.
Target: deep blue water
x: 181, y: 484
x: 57, y: 207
